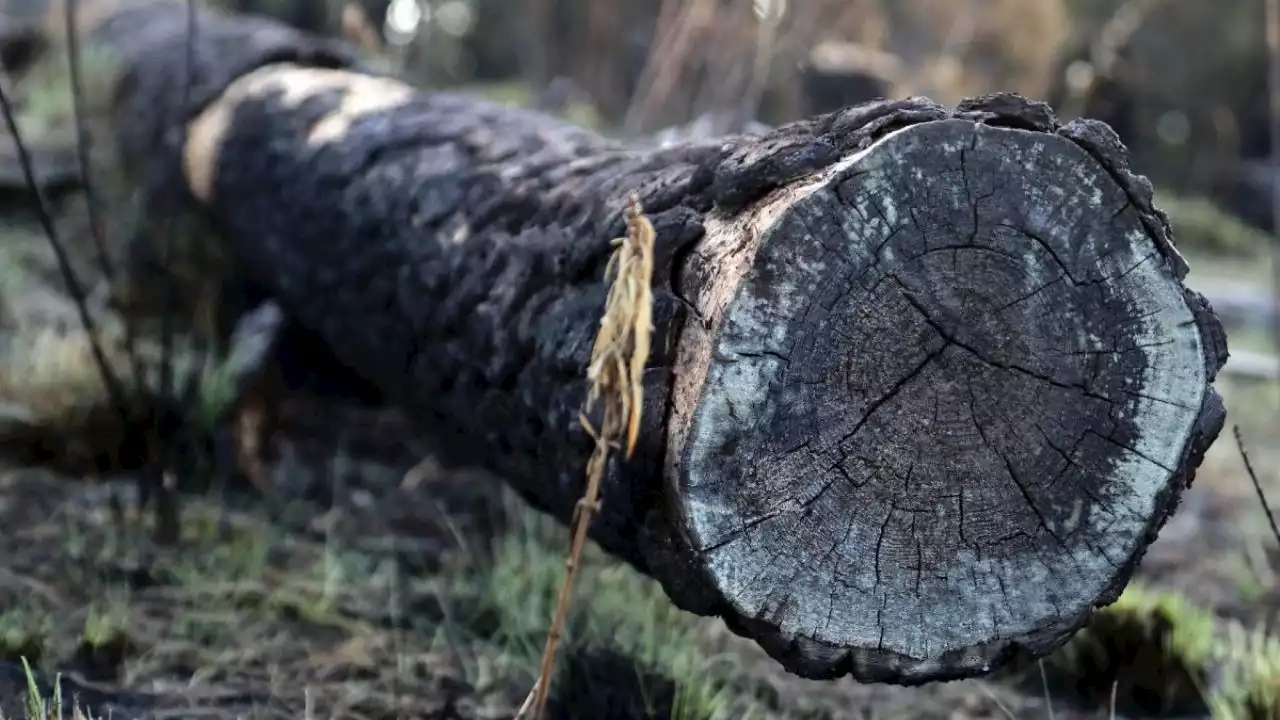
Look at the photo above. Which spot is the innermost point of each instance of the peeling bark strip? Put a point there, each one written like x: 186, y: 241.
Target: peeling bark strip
x: 926, y: 381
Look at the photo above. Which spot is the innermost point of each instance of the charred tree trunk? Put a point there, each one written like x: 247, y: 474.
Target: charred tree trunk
x: 926, y: 381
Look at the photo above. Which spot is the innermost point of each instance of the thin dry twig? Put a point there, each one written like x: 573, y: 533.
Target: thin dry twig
x: 84, y: 155
x: 1257, y: 485
x: 614, y: 376
x: 159, y: 478
x: 74, y: 287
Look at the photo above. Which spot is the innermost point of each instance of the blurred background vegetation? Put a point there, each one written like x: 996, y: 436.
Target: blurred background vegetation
x: 1184, y: 82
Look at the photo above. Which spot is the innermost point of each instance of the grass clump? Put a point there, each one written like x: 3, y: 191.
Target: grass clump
x: 23, y: 634
x: 53, y: 707
x: 671, y: 667
x: 1160, y: 654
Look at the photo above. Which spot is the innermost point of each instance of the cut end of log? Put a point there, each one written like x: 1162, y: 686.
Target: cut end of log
x: 937, y: 402
x: 350, y: 96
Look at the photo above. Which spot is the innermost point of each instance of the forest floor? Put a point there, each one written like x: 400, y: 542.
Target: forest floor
x: 380, y: 587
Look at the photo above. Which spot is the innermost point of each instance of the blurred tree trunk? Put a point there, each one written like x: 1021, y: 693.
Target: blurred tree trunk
x: 316, y: 16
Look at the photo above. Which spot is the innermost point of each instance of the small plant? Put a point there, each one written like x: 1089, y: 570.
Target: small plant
x: 37, y: 707
x: 23, y: 633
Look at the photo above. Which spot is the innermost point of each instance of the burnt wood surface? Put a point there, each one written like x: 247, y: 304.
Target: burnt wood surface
x: 926, y: 381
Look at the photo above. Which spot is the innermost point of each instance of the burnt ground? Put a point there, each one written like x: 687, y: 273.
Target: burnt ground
x: 372, y: 586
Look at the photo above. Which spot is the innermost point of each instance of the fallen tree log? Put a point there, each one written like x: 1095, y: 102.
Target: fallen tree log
x: 926, y: 381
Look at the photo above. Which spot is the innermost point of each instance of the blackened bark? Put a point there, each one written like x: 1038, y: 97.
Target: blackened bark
x: 926, y: 381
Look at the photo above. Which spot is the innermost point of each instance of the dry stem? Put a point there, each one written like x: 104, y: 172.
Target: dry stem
x: 614, y: 377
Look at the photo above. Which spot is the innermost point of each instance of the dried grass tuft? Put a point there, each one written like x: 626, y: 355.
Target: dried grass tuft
x: 615, y: 379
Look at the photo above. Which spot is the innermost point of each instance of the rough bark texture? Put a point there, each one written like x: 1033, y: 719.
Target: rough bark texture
x: 926, y: 380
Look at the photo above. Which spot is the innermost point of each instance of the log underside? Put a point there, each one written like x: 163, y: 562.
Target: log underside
x: 926, y: 381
